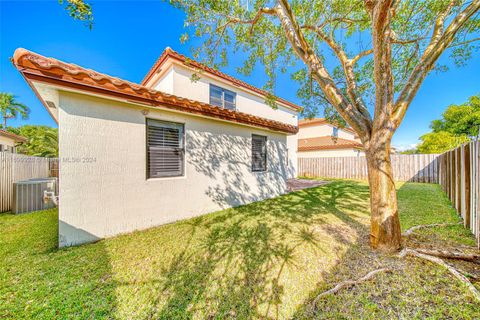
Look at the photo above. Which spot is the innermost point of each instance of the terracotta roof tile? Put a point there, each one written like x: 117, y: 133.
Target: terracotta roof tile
x: 326, y: 143
x: 169, y: 53
x: 13, y: 136
x: 319, y: 121
x: 35, y: 67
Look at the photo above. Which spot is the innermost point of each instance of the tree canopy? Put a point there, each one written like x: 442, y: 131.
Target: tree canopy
x: 338, y: 32
x: 42, y: 140
x: 463, y: 119
x: 439, y: 142
x: 459, y: 124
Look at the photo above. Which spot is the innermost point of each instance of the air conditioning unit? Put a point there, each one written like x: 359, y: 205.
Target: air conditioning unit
x: 29, y: 195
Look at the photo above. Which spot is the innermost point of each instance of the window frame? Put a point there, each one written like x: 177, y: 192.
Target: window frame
x: 335, y: 132
x: 223, y: 90
x: 182, y: 135
x: 265, y: 140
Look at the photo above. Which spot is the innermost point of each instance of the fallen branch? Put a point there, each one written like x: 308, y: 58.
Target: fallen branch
x: 475, y: 258
x: 439, y: 261
x: 410, y: 231
x: 349, y: 283
x: 469, y: 275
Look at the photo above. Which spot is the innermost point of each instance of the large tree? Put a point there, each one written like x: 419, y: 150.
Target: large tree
x: 364, y: 61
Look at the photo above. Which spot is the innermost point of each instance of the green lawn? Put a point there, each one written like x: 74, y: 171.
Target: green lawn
x: 263, y: 260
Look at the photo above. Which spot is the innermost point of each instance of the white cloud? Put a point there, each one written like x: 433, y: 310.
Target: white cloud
x: 403, y: 147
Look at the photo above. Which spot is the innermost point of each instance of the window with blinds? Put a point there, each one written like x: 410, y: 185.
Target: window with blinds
x: 222, y: 97
x: 259, y: 153
x: 165, y: 149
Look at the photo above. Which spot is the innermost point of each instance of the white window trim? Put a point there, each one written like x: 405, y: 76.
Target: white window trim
x: 223, y: 96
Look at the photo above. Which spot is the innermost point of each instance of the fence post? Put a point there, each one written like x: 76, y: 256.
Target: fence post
x: 467, y: 183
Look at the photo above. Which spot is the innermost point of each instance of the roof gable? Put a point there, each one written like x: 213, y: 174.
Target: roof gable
x: 327, y: 142
x: 302, y: 123
x: 168, y: 53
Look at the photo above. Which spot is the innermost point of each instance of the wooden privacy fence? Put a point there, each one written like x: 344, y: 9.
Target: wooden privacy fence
x: 17, y: 167
x: 406, y: 167
x: 460, y: 179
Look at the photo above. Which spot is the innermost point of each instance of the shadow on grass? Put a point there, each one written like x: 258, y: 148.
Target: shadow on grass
x: 40, y: 281
x: 236, y: 268
x: 263, y: 260
x: 255, y: 261
x: 415, y: 289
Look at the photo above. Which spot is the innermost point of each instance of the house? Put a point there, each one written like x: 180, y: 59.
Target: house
x: 9, y: 141
x: 319, y: 138
x: 135, y: 156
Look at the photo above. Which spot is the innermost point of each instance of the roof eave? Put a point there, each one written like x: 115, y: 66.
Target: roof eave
x: 31, y: 77
x: 170, y: 54
x: 13, y: 136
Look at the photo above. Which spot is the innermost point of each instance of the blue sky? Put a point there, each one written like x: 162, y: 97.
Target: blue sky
x: 127, y: 38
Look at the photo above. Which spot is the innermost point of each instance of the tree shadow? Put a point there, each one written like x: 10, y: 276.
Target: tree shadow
x: 414, y: 289
x: 226, y: 162
x: 247, y: 258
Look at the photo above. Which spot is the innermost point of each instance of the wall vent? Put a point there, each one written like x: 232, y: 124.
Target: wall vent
x: 51, y: 104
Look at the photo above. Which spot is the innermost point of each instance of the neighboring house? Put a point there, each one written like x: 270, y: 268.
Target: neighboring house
x: 136, y: 156
x: 319, y: 138
x: 9, y: 141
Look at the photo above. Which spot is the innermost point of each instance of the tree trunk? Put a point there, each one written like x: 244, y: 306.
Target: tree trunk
x: 385, y: 232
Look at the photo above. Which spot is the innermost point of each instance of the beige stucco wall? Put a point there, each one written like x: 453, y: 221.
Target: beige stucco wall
x: 7, y: 141
x: 166, y: 81
x: 292, y: 147
x: 183, y: 86
x: 321, y: 130
x: 103, y: 186
x: 330, y: 153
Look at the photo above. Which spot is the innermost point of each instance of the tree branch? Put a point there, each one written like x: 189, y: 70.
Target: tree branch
x: 260, y: 12
x: 407, y: 41
x: 361, y: 55
x: 348, y: 21
x: 347, y: 65
x: 438, y: 27
x: 475, y: 258
x: 439, y: 261
x: 349, y: 283
x: 463, y: 42
x: 433, y: 225
x: 347, y: 110
x: 381, y: 13
x: 439, y: 43
x: 252, y: 22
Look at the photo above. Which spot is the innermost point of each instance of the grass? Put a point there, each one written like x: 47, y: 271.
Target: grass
x: 264, y: 260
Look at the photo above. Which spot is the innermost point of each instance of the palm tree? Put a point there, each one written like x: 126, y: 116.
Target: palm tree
x: 10, y: 108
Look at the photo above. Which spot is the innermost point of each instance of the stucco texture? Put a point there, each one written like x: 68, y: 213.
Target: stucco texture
x: 104, y: 189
